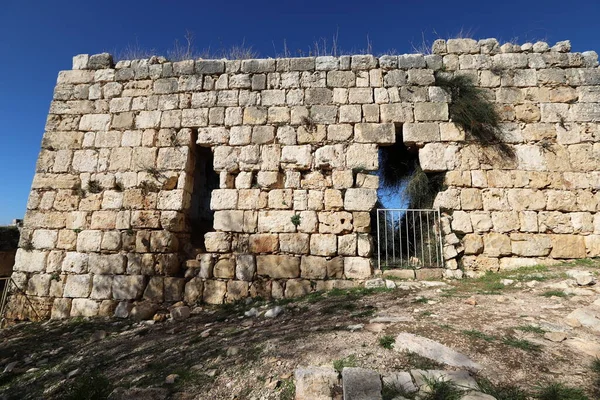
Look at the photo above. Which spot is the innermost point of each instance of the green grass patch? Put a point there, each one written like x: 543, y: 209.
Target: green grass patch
x: 89, y: 386
x: 522, y: 344
x: 288, y: 390
x: 426, y: 314
x: 558, y: 391
x: 530, y: 329
x: 554, y: 293
x: 387, y: 342
x: 473, y: 333
x: 342, y: 363
x: 595, y: 366
x: 440, y: 389
x: 501, y: 391
x: 393, y: 392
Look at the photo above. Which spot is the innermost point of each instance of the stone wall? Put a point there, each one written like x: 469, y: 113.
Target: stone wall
x: 295, y: 144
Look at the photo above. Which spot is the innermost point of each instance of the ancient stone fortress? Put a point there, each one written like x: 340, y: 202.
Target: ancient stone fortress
x: 284, y: 152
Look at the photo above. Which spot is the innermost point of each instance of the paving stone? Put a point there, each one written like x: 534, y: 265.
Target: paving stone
x: 361, y: 384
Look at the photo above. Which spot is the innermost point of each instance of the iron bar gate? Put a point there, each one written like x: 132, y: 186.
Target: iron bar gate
x: 409, y: 238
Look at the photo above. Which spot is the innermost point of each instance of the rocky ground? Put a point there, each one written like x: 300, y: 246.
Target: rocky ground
x: 526, y: 329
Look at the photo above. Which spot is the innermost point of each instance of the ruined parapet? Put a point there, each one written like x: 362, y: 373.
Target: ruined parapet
x: 294, y: 143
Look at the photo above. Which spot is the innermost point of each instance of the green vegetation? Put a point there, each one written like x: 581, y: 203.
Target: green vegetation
x: 558, y: 391
x: 522, y: 344
x: 94, y: 187
x: 420, y: 300
x: 288, y: 390
x: 473, y: 112
x: 296, y: 219
x: 530, y: 329
x: 501, y: 391
x: 89, y: 386
x: 387, y: 342
x: 479, y: 335
x: 440, y: 389
x: 391, y: 392
x: 342, y: 363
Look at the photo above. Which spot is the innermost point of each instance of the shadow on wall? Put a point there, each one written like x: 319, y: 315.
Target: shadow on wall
x: 205, y: 181
x: 9, y: 241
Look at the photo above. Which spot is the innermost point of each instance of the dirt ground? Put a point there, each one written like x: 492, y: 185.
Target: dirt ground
x: 219, y: 353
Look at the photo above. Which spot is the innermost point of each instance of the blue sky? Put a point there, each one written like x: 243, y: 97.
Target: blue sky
x: 38, y: 39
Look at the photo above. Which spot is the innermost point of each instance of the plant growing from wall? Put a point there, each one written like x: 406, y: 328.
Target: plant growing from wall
x: 473, y: 112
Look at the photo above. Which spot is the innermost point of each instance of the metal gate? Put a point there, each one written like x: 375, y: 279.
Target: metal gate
x: 409, y: 238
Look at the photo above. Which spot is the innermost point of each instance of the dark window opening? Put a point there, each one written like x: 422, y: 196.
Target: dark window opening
x: 205, y: 181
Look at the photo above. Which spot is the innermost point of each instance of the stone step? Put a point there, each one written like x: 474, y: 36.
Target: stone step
x: 323, y: 383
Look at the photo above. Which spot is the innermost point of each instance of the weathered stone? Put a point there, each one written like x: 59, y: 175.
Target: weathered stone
x: 434, y: 351
x: 361, y: 384
x: 278, y: 266
x: 315, y: 383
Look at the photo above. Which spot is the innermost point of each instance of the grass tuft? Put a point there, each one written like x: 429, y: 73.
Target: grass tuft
x: 522, y: 344
x: 475, y: 114
x: 342, y: 363
x: 501, y: 391
x: 554, y: 293
x: 89, y: 386
x: 558, y: 391
x: 530, y: 329
x: 479, y: 335
x: 440, y: 389
x: 387, y: 342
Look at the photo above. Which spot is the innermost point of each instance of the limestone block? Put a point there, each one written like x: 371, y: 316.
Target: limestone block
x: 431, y: 111
x: 298, y: 157
x: 75, y: 262
x: 506, y: 221
x: 330, y: 157
x: 568, y: 246
x: 357, y: 268
x: 101, y: 287
x: 347, y: 245
x: 364, y: 156
x: 155, y: 290
x: 223, y: 199
x: 421, y: 77
x: 323, y: 244
x: 461, y: 222
x: 509, y: 61
x: 435, y: 157
x: 315, y: 383
x: 561, y: 200
x: 470, y: 199
x: 375, y: 133
x: 214, y: 292
x: 61, y: 308
x: 496, y: 245
x: 39, y: 285
x: 481, y: 221
x: 44, y: 239
x: 95, y: 122
x: 229, y: 221
x: 84, y: 308
x: 193, y: 291
x: 106, y: 264
x: 127, y: 287
x: 245, y: 267
x: 592, y: 245
x: 360, y: 199
x: 224, y: 268
x: 236, y: 291
x: 217, y: 242
x: 294, y: 243
x: 368, y: 181
x: 448, y: 199
x: 554, y: 221
x: 308, y: 221
x: 297, y: 288
x: 174, y: 288
x: 473, y: 244
x: 78, y: 286
x: 275, y: 221
x: 278, y: 266
x: 264, y: 243
x: 495, y: 199
x: 335, y: 222
x: 531, y: 245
